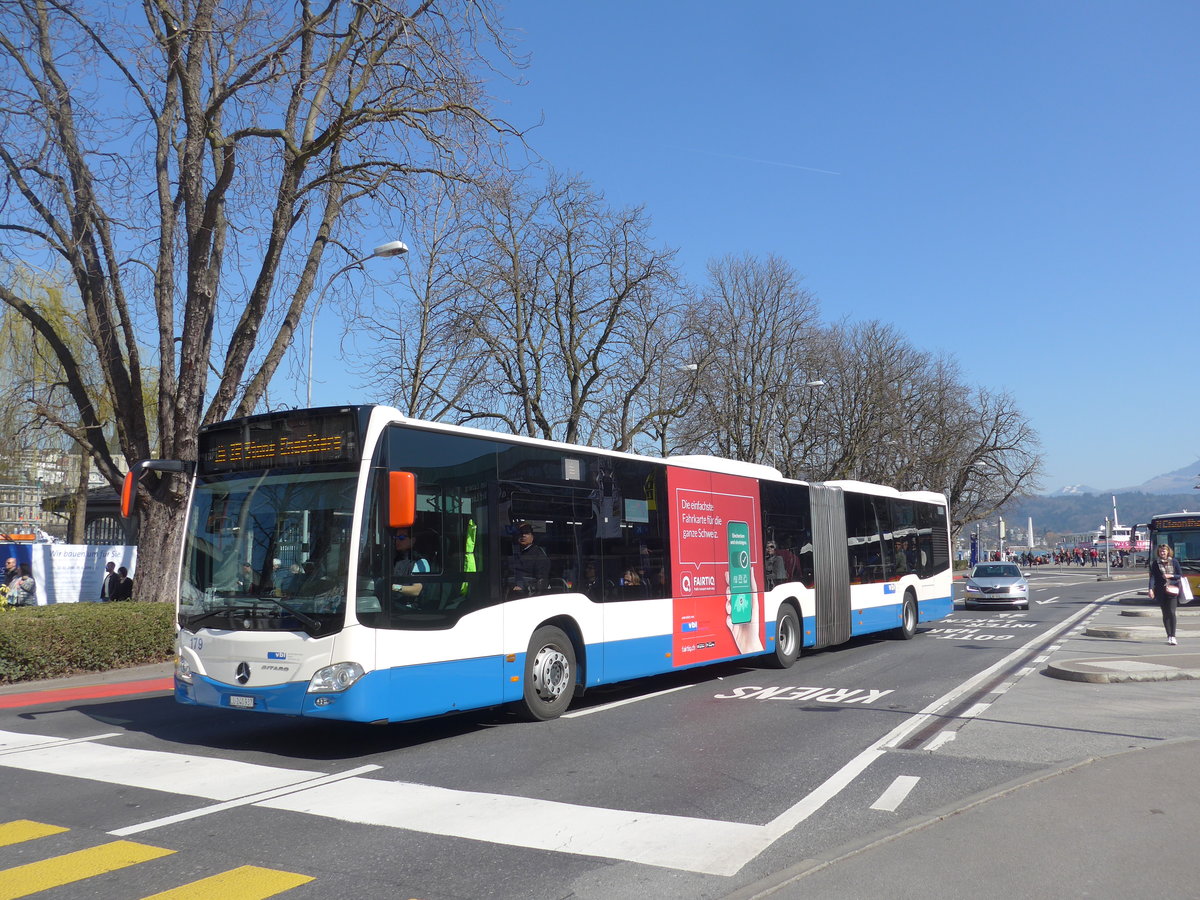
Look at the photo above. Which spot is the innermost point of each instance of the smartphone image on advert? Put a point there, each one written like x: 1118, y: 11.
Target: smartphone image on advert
x: 740, y: 598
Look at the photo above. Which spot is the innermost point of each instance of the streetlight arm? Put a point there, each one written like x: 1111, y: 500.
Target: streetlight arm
x: 392, y: 248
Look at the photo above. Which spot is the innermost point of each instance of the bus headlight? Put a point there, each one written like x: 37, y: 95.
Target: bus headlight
x: 335, y: 678
x: 183, y: 670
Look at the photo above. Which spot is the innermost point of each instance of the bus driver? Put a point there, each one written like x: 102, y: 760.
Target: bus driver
x: 408, y: 563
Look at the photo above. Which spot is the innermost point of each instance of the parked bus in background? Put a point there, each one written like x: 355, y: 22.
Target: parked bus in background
x: 1181, y: 532
x: 349, y: 563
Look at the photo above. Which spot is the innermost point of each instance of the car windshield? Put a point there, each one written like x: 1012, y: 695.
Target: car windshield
x: 997, y: 572
x: 268, y: 551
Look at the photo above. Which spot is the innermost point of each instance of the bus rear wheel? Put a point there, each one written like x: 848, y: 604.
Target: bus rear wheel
x: 908, y: 618
x: 549, y: 675
x: 787, y: 638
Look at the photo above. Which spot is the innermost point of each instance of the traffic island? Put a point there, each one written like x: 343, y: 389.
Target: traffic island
x: 1118, y: 669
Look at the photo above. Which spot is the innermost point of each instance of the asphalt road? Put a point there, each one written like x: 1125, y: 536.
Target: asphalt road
x: 699, y: 784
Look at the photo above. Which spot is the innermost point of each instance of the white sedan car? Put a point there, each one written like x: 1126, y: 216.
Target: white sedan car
x: 996, y: 584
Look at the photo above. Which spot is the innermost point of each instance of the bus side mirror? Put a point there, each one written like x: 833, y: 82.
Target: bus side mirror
x: 128, y: 494
x: 129, y: 488
x: 401, y: 499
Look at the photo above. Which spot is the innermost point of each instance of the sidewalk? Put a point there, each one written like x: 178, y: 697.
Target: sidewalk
x: 1135, y: 625
x: 1115, y: 827
x: 152, y: 679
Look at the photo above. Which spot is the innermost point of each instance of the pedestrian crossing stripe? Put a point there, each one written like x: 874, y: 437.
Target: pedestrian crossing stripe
x: 30, y: 878
x: 24, y: 830
x: 242, y: 883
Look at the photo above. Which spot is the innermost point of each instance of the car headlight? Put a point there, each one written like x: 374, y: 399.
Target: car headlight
x: 336, y: 678
x: 1022, y: 588
x: 971, y: 589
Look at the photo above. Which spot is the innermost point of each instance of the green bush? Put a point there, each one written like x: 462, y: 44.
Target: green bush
x: 66, y: 639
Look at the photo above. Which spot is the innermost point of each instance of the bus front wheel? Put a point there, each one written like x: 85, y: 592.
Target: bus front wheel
x: 549, y: 674
x: 787, y: 638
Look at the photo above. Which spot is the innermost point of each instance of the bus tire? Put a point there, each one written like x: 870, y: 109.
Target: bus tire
x: 549, y: 675
x: 787, y: 638
x: 908, y: 618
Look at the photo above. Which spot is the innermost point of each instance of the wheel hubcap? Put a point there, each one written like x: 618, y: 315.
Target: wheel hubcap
x: 551, y: 672
x: 786, y: 637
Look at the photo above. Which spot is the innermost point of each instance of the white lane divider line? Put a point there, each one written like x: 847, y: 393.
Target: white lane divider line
x: 896, y: 793
x: 604, y: 707
x: 241, y: 801
x: 16, y: 742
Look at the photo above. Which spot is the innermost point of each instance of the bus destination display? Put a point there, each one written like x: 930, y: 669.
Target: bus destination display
x: 284, y: 441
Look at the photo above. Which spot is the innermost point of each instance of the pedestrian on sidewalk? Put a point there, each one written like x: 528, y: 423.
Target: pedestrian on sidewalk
x: 1165, y: 579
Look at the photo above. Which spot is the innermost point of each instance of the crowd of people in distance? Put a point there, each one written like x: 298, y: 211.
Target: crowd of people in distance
x: 1078, y: 556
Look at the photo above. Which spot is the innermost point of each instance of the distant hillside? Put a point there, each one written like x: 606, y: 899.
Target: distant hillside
x: 1071, y: 513
x: 1177, y: 482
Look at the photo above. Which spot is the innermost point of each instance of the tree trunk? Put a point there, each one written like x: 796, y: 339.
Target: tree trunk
x: 160, y: 536
x: 77, y: 522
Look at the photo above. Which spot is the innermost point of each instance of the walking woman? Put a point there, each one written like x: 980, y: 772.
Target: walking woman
x: 1165, y: 578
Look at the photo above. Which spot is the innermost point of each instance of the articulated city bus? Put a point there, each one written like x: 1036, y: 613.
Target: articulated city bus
x: 350, y: 563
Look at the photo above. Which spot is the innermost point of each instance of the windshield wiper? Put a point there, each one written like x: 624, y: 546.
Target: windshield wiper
x: 313, y: 624
x: 225, y: 612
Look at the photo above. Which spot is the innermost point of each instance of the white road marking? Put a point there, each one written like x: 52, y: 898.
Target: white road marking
x: 975, y: 710
x: 896, y: 793
x: 241, y: 801
x: 944, y: 738
x: 1047, y: 600
x: 606, y: 706
x: 172, y: 773
x: 676, y: 842
x: 17, y: 742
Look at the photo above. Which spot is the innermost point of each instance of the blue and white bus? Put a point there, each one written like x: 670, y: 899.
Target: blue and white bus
x: 350, y: 563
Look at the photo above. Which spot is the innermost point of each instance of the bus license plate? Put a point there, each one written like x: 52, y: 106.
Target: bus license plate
x: 241, y: 702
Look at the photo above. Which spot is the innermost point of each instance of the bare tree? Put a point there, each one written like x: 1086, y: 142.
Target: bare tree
x: 751, y: 335
x: 419, y: 357
x: 195, y: 197
x: 900, y: 416
x: 568, y: 291
x: 997, y: 460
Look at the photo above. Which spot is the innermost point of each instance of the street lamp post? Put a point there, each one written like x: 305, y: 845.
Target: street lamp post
x: 391, y: 248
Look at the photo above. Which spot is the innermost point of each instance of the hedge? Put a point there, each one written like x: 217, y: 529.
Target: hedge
x: 70, y: 638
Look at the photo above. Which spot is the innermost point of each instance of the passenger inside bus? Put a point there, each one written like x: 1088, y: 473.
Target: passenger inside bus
x: 528, y: 566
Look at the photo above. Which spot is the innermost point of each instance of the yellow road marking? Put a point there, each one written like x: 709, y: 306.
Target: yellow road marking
x: 25, y: 830
x: 242, y: 883
x: 21, y: 881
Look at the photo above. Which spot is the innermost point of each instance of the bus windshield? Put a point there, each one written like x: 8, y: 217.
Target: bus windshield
x: 1184, y: 541
x: 268, y: 551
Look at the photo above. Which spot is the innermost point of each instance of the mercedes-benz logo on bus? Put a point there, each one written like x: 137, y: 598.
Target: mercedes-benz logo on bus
x: 243, y: 673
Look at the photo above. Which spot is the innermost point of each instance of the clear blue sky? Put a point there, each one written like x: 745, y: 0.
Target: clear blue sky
x: 1015, y: 182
